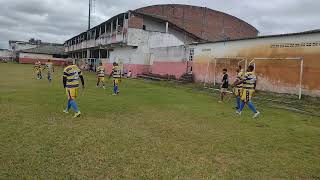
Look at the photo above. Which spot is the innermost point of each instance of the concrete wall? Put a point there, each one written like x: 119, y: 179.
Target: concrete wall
x: 154, y: 26
x: 139, y: 37
x: 31, y: 58
x: 169, y: 60
x: 274, y: 75
x: 137, y: 56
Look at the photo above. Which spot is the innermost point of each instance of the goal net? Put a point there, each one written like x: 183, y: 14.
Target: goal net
x: 213, y: 76
x: 282, y: 75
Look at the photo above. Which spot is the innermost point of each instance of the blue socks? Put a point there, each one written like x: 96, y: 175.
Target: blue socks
x: 250, y: 105
x: 238, y: 102
x: 241, y: 106
x: 115, y: 89
x: 73, y: 104
x: 69, y: 105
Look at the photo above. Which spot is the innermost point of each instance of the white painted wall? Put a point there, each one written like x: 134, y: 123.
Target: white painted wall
x: 143, y: 41
x: 130, y: 55
x: 138, y: 37
x: 154, y: 26
x: 172, y: 54
x: 232, y: 48
x: 122, y: 54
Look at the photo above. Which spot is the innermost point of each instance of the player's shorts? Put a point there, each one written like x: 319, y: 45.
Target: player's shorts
x: 238, y: 91
x: 72, y: 93
x: 116, y: 81
x: 49, y: 76
x: 223, y: 90
x: 247, y: 95
x: 102, y: 79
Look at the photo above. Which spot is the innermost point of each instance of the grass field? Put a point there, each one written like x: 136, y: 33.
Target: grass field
x: 151, y: 131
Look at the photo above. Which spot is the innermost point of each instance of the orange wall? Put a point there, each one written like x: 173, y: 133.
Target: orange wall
x: 274, y: 75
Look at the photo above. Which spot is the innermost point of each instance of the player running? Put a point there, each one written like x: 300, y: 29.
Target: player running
x: 101, y: 75
x: 71, y: 76
x: 116, y: 75
x: 50, y: 70
x: 249, y: 85
x: 238, y: 87
x: 37, y: 69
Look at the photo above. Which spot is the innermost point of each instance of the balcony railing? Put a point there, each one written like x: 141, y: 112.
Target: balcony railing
x: 103, y: 40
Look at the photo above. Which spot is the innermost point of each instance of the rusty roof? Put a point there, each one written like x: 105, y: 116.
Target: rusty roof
x: 265, y: 36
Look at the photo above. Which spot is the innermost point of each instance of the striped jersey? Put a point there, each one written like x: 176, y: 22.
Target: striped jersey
x: 37, y: 66
x: 239, y: 78
x: 101, y: 71
x: 250, y: 80
x: 116, y: 73
x: 72, y: 74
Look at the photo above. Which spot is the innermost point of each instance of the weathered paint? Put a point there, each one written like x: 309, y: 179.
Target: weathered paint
x: 274, y: 75
x: 169, y: 68
x: 169, y: 60
x: 134, y: 68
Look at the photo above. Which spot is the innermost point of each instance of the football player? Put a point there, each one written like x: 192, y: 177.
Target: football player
x: 71, y: 76
x: 50, y: 70
x: 101, y: 76
x: 116, y: 75
x: 249, y: 85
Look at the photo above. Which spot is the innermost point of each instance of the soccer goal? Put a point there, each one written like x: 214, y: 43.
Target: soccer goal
x: 215, y: 66
x: 282, y: 74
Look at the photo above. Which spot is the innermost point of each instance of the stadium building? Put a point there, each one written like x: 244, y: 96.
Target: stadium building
x: 53, y: 52
x: 129, y: 37
x: 34, y: 50
x: 179, y: 40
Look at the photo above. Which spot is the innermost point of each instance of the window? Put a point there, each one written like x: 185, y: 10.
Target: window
x: 144, y: 27
x: 191, y: 54
x: 295, y: 45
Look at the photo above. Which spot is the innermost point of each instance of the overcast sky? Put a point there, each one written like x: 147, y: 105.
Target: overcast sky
x: 58, y: 20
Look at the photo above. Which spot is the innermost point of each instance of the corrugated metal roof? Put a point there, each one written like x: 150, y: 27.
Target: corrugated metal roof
x: 261, y: 37
x: 47, y: 49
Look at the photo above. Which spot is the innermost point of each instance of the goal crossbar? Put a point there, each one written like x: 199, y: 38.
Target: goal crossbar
x: 301, y: 59
x: 215, y: 59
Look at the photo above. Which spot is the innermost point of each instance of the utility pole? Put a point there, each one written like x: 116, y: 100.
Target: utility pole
x: 89, y: 26
x: 89, y: 18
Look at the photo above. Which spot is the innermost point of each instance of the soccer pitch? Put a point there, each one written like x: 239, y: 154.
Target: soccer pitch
x: 151, y: 131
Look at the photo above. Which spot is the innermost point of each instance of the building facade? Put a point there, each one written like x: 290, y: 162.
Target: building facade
x: 53, y: 52
x: 130, y: 38
x: 287, y: 63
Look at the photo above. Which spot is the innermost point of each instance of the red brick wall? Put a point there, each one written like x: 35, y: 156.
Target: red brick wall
x: 136, y: 22
x: 206, y: 23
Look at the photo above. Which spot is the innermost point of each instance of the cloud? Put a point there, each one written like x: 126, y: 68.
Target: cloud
x: 58, y: 20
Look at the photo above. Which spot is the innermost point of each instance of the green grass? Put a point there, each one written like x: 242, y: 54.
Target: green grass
x: 151, y: 131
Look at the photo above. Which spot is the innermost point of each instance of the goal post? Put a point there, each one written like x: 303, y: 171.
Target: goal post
x: 212, y: 72
x: 300, y: 59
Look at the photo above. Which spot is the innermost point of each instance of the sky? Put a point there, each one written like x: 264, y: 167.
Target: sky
x: 58, y: 20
